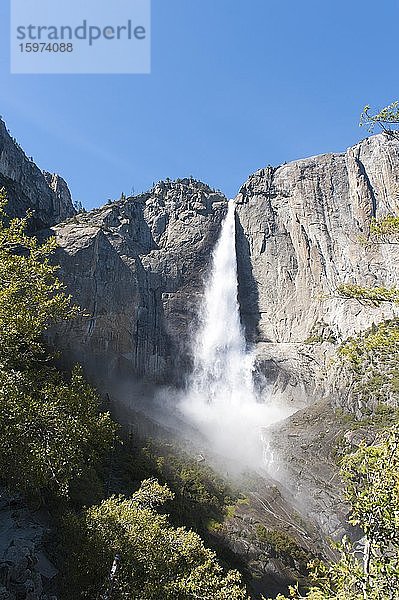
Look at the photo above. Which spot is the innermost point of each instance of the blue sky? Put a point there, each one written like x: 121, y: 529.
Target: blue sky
x: 235, y: 85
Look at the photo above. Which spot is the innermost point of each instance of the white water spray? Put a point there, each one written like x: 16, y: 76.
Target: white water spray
x: 221, y: 401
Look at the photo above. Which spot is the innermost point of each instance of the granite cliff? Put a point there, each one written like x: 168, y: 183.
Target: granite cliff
x: 45, y: 194
x: 303, y: 231
x: 136, y: 267
x: 301, y: 234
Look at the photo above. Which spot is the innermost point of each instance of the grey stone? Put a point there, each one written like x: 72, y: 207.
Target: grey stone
x: 299, y: 237
x: 23, y: 559
x: 136, y: 267
x: 29, y: 188
x: 6, y: 594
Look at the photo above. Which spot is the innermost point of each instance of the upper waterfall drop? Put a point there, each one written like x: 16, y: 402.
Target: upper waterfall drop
x: 221, y: 400
x: 222, y: 366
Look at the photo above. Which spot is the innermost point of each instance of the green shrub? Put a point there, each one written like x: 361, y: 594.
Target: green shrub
x: 200, y: 493
x: 283, y: 546
x: 387, y: 226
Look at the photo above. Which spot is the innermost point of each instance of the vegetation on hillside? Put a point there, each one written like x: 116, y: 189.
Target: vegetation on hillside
x: 201, y: 496
x: 32, y: 298
x: 154, y: 560
x: 52, y: 434
x: 283, y: 546
x: 370, y: 569
x: 51, y: 430
x: 371, y: 360
x: 384, y: 229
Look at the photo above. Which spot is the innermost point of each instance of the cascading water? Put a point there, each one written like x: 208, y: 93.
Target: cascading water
x: 222, y: 367
x: 221, y: 401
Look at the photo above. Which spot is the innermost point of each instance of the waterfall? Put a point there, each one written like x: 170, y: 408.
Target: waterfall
x: 222, y: 366
x: 221, y: 401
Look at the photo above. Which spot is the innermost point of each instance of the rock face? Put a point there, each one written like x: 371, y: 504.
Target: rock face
x: 29, y: 188
x: 136, y: 267
x: 299, y: 237
x: 301, y: 454
x: 26, y: 572
x: 300, y: 234
x: 62, y: 203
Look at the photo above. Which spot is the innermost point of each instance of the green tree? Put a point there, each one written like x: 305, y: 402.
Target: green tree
x: 52, y: 433
x: 369, y: 571
x: 156, y: 561
x: 374, y: 296
x: 372, y: 488
x: 385, y: 119
x: 32, y: 298
x: 51, y: 430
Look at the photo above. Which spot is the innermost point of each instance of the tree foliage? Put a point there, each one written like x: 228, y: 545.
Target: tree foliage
x: 156, y: 560
x: 372, y: 488
x: 370, y: 569
x: 374, y: 296
x: 386, y: 119
x: 32, y: 298
x: 371, y: 362
x: 376, y: 344
x: 52, y: 433
x: 200, y: 494
x: 51, y: 430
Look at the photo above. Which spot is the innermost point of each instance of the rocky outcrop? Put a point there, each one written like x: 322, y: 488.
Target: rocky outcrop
x: 47, y: 196
x: 301, y: 453
x: 136, y: 267
x: 26, y: 572
x: 299, y: 236
x: 62, y: 203
x: 301, y: 233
